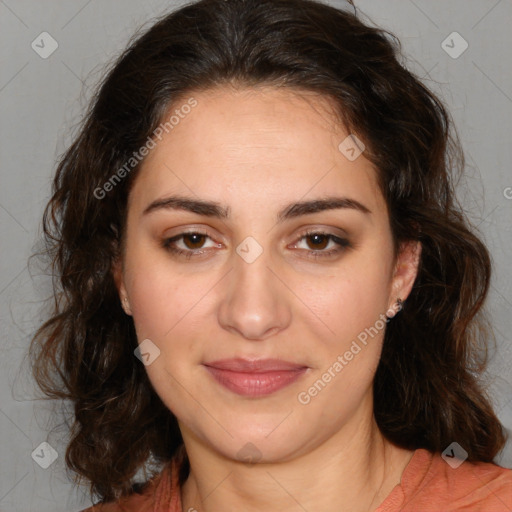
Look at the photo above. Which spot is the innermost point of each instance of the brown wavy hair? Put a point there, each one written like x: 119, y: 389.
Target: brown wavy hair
x: 428, y: 388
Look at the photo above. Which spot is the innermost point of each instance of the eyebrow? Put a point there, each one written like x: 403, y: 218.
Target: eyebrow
x: 291, y: 211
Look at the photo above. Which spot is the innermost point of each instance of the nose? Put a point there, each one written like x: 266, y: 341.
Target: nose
x: 255, y: 304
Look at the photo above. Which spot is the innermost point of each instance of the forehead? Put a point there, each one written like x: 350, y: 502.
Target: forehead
x: 277, y: 143
x: 265, y: 118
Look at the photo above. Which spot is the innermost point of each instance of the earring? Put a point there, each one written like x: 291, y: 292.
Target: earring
x: 393, y: 310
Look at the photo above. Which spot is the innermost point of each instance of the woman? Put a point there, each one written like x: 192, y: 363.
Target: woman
x: 268, y: 296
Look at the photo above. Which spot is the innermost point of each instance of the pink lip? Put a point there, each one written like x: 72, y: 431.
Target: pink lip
x: 255, y: 378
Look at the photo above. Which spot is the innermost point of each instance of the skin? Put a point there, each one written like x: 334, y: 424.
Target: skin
x: 255, y: 151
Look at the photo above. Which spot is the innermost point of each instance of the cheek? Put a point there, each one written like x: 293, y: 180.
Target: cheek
x: 154, y: 306
x: 168, y: 307
x: 351, y: 298
x: 353, y: 306
x: 163, y: 310
x: 159, y: 297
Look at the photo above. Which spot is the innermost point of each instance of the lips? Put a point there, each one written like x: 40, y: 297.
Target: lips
x: 255, y: 378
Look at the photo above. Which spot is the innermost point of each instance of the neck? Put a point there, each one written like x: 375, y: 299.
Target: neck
x: 354, y: 470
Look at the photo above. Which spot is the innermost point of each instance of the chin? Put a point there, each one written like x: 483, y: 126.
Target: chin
x: 269, y: 440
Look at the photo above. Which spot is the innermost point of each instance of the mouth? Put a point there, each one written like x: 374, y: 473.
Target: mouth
x: 254, y: 378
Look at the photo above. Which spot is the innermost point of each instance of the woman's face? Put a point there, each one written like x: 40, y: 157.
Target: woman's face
x: 265, y: 327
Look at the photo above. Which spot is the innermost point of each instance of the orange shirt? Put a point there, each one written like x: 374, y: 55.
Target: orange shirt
x: 428, y: 484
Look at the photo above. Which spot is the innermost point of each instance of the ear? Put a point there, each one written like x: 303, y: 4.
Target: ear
x: 117, y: 272
x: 406, y: 270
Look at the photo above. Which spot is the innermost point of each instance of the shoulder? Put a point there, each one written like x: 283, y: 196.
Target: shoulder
x: 138, y: 501
x: 133, y: 502
x: 459, y: 486
x: 144, y: 499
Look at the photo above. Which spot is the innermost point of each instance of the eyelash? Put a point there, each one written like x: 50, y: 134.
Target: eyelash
x: 342, y: 243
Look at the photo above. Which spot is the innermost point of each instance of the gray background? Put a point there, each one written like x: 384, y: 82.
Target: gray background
x: 41, y: 101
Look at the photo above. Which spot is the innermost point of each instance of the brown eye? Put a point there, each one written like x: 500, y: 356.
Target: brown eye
x: 318, y: 241
x: 194, y: 240
x: 190, y: 244
x: 322, y: 245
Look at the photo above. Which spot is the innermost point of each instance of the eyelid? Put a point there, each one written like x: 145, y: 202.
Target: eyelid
x: 191, y: 230
x: 325, y: 230
x: 342, y: 243
x: 179, y: 236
